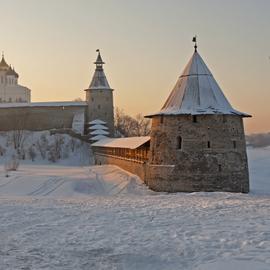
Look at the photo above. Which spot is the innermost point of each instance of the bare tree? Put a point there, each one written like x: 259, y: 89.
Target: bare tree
x: 55, y: 149
x: 32, y: 153
x: 2, y: 150
x: 128, y: 126
x: 42, y: 145
x: 72, y: 144
x: 11, y: 164
x: 18, y: 134
x: 17, y: 138
x: 144, y: 125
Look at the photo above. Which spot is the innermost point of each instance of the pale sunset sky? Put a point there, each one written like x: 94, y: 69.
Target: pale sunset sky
x: 145, y: 44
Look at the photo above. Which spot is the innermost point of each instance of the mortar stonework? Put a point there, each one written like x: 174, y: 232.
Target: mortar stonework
x: 38, y: 118
x: 211, y: 156
x: 100, y: 106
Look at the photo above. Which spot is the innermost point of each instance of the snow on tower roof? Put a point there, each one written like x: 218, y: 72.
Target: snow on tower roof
x: 44, y: 104
x: 197, y: 92
x: 99, y: 80
x: 97, y: 127
x: 99, y: 132
x: 97, y: 121
x: 129, y: 143
x: 98, y: 138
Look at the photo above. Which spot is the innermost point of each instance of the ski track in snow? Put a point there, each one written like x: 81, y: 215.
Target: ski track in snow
x: 103, y: 218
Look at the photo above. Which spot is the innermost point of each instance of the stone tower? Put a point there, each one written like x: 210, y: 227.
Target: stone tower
x: 197, y: 138
x: 99, y: 96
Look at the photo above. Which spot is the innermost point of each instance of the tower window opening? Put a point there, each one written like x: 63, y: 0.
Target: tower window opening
x: 224, y: 119
x: 208, y: 144
x: 179, y: 142
x: 234, y: 144
x: 219, y: 168
x: 161, y: 119
x: 194, y: 118
x: 92, y: 99
x: 99, y: 106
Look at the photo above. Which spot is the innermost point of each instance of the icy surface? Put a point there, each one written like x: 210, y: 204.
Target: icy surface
x: 104, y: 218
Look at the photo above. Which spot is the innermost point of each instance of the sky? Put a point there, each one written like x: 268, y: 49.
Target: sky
x: 145, y: 44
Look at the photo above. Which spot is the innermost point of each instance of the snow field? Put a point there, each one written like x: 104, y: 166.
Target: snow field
x: 67, y: 181
x: 181, y: 231
x: 101, y: 217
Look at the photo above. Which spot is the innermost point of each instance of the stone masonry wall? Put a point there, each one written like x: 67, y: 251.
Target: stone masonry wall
x: 132, y: 166
x: 38, y: 118
x: 210, y: 156
x: 100, y: 106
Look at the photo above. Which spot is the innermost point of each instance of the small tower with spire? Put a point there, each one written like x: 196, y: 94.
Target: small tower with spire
x: 99, y: 96
x: 197, y: 138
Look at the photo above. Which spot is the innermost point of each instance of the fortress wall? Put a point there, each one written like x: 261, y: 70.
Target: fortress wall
x: 221, y: 167
x: 38, y: 118
x: 135, y: 167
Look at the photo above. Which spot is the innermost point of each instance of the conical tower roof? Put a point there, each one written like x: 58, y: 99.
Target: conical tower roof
x: 99, y: 80
x: 197, y: 92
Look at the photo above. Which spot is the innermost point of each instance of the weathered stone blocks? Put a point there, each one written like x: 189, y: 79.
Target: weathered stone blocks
x: 211, y: 156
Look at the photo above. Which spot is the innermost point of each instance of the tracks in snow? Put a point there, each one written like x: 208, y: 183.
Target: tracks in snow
x: 48, y: 187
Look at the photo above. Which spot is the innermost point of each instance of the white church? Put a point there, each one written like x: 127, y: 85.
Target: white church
x: 10, y: 90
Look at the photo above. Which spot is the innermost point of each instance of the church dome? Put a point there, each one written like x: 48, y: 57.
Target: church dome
x: 12, y: 72
x: 3, y: 64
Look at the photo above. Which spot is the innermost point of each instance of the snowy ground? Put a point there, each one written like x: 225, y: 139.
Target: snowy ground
x: 62, y: 217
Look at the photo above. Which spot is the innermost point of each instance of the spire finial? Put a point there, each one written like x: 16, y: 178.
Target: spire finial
x: 194, y: 39
x: 99, y: 62
x: 3, y: 54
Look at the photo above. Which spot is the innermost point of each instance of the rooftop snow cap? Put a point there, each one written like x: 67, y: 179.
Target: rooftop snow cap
x: 197, y: 92
x: 99, y: 80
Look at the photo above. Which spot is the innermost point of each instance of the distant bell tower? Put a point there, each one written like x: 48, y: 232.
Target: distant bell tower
x: 99, y: 96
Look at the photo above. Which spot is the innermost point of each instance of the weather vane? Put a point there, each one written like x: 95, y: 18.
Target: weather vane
x: 194, y: 39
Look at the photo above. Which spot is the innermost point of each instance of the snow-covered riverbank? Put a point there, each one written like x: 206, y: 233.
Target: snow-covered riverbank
x: 62, y: 217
